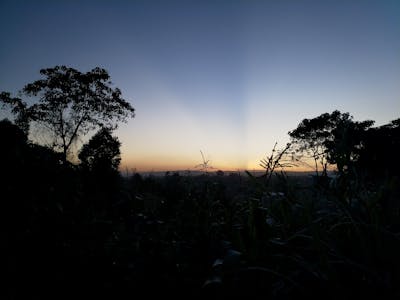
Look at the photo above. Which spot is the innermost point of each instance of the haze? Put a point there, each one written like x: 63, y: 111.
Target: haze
x: 229, y: 78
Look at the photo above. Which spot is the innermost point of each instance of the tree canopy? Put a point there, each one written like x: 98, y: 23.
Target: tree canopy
x: 353, y: 146
x: 18, y: 108
x: 101, y: 153
x: 312, y: 136
x: 70, y: 104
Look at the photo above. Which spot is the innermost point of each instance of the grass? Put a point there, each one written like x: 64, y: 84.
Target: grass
x: 96, y: 236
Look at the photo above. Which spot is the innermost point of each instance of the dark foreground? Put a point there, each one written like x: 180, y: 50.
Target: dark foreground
x: 71, y: 234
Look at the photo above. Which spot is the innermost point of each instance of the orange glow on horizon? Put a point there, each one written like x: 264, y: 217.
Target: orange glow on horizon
x: 160, y: 165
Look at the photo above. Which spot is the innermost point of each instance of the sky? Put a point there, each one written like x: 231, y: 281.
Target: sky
x: 229, y: 78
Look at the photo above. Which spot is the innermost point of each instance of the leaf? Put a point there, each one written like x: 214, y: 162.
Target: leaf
x: 212, y: 282
x: 232, y: 258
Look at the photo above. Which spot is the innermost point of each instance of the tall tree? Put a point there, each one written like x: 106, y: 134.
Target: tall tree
x: 330, y: 138
x: 347, y: 142
x: 70, y: 104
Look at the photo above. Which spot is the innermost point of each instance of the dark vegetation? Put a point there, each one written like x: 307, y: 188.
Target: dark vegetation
x: 80, y: 230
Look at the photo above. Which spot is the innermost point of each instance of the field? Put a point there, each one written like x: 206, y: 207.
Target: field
x: 71, y: 235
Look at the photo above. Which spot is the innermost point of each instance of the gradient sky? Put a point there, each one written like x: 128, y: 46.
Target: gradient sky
x: 229, y: 78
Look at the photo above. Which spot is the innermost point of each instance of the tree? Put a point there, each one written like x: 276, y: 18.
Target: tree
x: 310, y: 137
x: 101, y: 153
x: 71, y: 104
x: 330, y: 138
x: 381, y: 146
x: 13, y: 147
x: 347, y: 143
x: 18, y: 108
x: 100, y: 158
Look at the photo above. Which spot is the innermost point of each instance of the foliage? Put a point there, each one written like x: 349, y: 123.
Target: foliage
x: 381, y: 145
x: 330, y: 138
x: 71, y: 104
x: 101, y: 153
x: 277, y: 160
x: 14, y: 136
x: 348, y: 139
x: 18, y: 108
x: 99, y: 235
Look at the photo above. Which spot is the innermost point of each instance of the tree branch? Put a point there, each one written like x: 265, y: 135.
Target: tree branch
x: 74, y: 134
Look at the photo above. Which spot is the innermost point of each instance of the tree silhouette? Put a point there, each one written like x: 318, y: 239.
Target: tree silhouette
x: 381, y: 147
x: 18, y: 108
x: 70, y: 104
x: 310, y: 137
x: 348, y: 140
x: 100, y: 158
x: 101, y: 153
x: 13, y: 148
x: 330, y: 138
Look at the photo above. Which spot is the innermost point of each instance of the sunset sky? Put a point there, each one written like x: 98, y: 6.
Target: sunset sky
x: 229, y: 78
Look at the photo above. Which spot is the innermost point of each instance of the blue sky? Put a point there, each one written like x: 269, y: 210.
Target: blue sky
x: 229, y: 78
